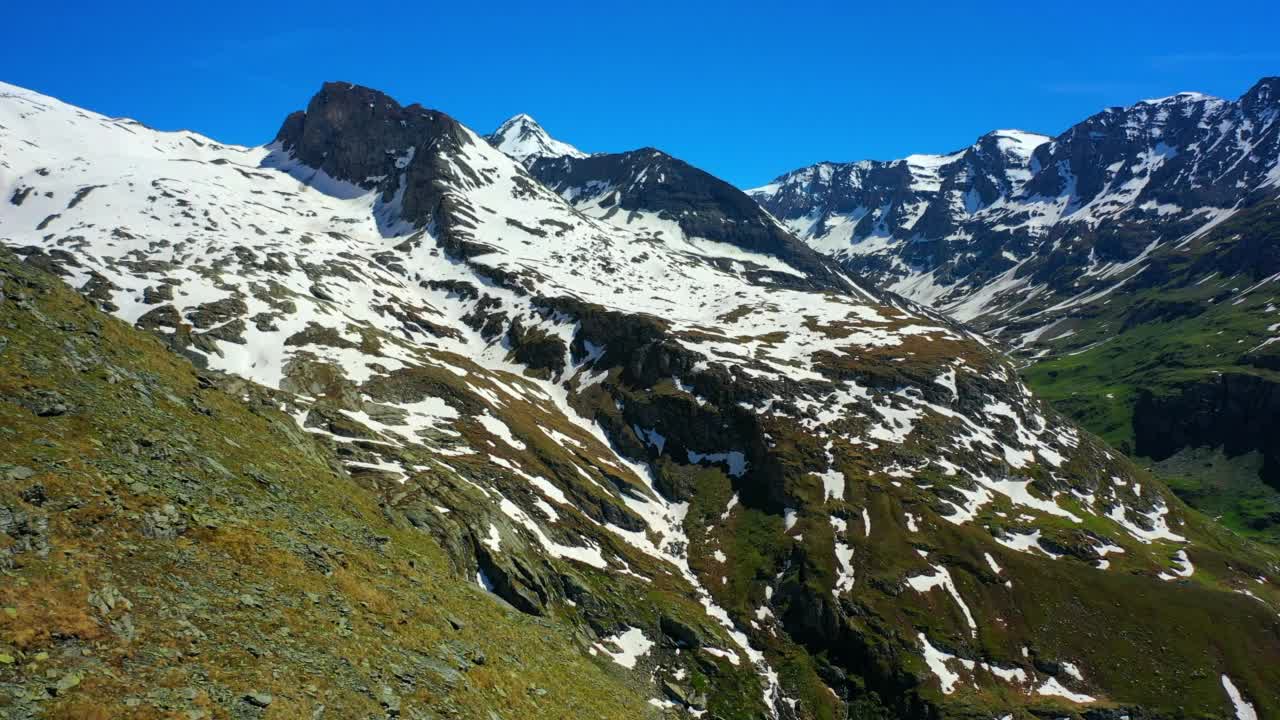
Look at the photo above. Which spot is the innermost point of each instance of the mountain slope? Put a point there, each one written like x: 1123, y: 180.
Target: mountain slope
x: 1208, y: 314
x: 754, y: 488
x: 858, y: 208
x: 174, y: 546
x: 654, y: 194
x: 1136, y: 249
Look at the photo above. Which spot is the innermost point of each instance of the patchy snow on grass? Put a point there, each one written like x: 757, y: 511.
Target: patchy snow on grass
x: 729, y: 655
x: 626, y: 647
x: 499, y: 429
x: 1157, y: 518
x: 1051, y: 686
x: 1025, y: 542
x: 652, y: 437
x: 736, y: 461
x: 937, y: 662
x: 493, y: 541
x: 941, y: 577
x: 991, y: 562
x: 588, y: 554
x: 728, y: 509
x: 844, y: 558
x: 832, y: 484
x: 789, y: 517
x: 1244, y: 709
x: 1184, y: 567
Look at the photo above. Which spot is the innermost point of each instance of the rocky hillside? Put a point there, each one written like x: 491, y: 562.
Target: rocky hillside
x: 1137, y: 248
x: 172, y: 544
x: 743, y: 485
x: 649, y: 192
x: 1186, y: 364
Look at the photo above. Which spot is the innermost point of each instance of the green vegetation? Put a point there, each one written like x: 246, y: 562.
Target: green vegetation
x: 172, y: 550
x: 174, y: 545
x: 1226, y: 489
x: 1174, y: 353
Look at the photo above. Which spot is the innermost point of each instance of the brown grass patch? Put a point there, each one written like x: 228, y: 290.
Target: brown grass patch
x: 46, y: 611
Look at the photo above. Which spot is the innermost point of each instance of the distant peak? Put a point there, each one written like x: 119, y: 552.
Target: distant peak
x: 1185, y: 96
x: 522, y: 139
x: 1016, y: 133
x: 1019, y: 142
x: 517, y: 121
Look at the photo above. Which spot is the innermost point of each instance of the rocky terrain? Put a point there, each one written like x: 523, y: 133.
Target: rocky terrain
x: 172, y: 544
x: 1131, y: 261
x: 542, y: 453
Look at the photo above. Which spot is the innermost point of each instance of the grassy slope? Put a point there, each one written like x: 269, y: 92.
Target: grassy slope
x: 275, y: 573
x: 1096, y: 373
x: 172, y: 548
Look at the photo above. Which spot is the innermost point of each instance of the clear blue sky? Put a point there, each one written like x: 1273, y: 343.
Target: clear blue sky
x: 744, y: 90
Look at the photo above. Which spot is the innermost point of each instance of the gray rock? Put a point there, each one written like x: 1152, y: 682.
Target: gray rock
x: 258, y: 699
x: 163, y: 523
x: 107, y: 598
x: 46, y: 403
x: 389, y: 700
x: 679, y: 631
x: 35, y: 495
x: 18, y: 472
x: 65, y: 683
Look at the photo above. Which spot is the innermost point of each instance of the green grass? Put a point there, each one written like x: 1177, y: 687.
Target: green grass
x: 343, y: 599
x: 1166, y: 338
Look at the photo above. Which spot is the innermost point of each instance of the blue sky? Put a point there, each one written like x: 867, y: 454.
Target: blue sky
x: 744, y: 90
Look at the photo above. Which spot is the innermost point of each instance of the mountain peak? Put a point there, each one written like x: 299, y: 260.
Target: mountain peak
x: 1181, y: 97
x: 522, y: 138
x: 1020, y: 143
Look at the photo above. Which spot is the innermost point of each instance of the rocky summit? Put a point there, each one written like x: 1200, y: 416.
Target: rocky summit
x: 380, y: 420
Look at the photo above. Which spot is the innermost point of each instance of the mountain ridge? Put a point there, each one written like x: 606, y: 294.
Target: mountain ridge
x: 752, y: 491
x: 1112, y: 230
x: 869, y: 226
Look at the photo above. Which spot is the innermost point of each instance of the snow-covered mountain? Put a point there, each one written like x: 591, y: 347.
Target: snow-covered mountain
x: 524, y: 140
x: 1016, y: 230
x: 1131, y: 258
x: 650, y: 192
x: 635, y: 405
x: 858, y: 208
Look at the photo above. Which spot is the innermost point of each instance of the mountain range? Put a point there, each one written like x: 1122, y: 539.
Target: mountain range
x: 394, y: 419
x: 1130, y: 263
x: 1131, y: 260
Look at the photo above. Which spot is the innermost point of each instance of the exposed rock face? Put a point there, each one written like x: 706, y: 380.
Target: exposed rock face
x: 364, y: 137
x: 865, y: 212
x: 741, y: 485
x: 1239, y: 412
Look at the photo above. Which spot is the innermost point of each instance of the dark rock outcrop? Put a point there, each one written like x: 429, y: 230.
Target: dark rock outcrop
x: 1239, y: 412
